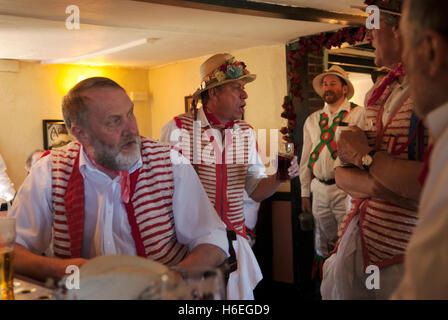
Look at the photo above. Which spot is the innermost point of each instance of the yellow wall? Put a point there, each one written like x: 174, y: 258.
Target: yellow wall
x: 35, y: 92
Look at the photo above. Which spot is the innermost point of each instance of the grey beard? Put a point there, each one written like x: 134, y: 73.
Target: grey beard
x: 105, y: 157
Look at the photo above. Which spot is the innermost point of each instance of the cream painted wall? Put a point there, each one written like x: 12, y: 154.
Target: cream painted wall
x: 171, y: 83
x: 35, y: 92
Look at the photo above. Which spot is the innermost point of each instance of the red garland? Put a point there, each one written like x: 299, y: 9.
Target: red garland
x: 311, y: 44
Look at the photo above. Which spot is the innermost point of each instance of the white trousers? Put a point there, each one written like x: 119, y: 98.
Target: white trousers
x: 343, y: 273
x: 328, y: 211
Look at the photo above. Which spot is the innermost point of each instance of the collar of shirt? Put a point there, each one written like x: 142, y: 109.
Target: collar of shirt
x: 438, y: 121
x: 344, y: 106
x: 85, y: 164
x: 204, y: 121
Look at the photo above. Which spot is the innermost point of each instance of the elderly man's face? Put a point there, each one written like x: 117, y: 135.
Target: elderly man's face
x: 230, y: 101
x: 387, y: 44
x: 113, y: 140
x: 413, y: 63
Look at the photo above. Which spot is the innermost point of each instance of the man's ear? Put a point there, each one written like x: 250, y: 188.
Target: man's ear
x: 212, y: 92
x: 80, y: 134
x: 434, y: 49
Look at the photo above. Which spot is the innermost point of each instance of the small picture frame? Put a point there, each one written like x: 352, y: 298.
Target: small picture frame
x: 55, y: 134
x: 188, y: 102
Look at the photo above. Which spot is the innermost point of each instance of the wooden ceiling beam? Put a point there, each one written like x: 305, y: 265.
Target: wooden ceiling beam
x: 266, y: 10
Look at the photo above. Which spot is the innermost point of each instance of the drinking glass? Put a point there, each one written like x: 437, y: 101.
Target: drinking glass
x: 284, y: 156
x: 7, y: 241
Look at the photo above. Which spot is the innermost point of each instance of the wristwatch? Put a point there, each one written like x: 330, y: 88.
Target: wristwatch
x: 367, y: 159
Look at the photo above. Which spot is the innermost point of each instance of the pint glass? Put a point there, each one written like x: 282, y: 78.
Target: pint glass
x: 7, y: 241
x: 284, y: 157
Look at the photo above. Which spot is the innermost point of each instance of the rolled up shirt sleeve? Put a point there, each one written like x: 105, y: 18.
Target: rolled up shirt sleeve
x: 33, y: 210
x: 256, y: 170
x: 196, y: 221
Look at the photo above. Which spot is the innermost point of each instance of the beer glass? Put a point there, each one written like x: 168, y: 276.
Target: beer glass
x: 284, y: 156
x: 7, y: 241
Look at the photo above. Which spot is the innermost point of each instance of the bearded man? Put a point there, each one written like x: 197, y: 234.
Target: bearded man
x: 111, y: 192
x: 319, y: 156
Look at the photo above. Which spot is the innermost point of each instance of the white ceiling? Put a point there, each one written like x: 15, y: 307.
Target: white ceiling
x: 132, y: 33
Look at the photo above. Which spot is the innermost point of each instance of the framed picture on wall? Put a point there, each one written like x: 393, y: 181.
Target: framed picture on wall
x: 188, y: 101
x: 55, y: 134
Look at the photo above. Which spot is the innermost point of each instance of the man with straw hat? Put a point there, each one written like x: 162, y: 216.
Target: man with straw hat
x: 319, y: 156
x: 223, y: 150
x: 368, y: 259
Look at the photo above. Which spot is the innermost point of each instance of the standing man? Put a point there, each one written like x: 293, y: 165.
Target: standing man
x: 113, y: 192
x: 424, y: 30
x: 319, y: 155
x: 384, y: 182
x: 222, y: 148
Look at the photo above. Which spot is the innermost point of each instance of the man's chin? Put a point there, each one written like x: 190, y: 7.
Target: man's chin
x: 126, y: 159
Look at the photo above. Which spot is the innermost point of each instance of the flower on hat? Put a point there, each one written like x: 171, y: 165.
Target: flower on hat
x: 234, y: 71
x: 220, y: 76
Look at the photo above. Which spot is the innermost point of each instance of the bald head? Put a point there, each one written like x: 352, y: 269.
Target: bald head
x: 75, y: 104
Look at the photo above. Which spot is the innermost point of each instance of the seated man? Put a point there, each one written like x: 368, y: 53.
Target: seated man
x: 113, y: 192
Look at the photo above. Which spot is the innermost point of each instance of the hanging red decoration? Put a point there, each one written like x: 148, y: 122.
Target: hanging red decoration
x: 311, y: 44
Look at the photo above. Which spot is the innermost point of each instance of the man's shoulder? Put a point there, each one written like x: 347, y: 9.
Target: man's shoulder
x: 69, y: 150
x: 243, y: 124
x: 148, y: 143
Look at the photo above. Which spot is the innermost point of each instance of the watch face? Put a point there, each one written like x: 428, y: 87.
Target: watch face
x: 366, y: 160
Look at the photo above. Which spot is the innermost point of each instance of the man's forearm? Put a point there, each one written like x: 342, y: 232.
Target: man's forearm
x: 355, y: 182
x: 359, y: 184
x: 204, y: 255
x: 397, y: 175
x: 39, y: 267
x: 266, y: 188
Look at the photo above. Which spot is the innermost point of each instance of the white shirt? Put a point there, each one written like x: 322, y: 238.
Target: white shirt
x: 255, y: 170
x: 324, y: 167
x: 250, y: 209
x: 106, y: 226
x: 426, y: 260
x: 7, y: 191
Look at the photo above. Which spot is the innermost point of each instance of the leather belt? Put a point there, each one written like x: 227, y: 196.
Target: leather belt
x: 327, y: 182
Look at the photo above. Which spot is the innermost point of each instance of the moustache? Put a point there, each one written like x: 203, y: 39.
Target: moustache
x: 129, y: 139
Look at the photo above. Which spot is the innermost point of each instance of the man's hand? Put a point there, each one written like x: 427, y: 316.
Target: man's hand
x: 352, y: 145
x: 306, y: 204
x: 293, y: 170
